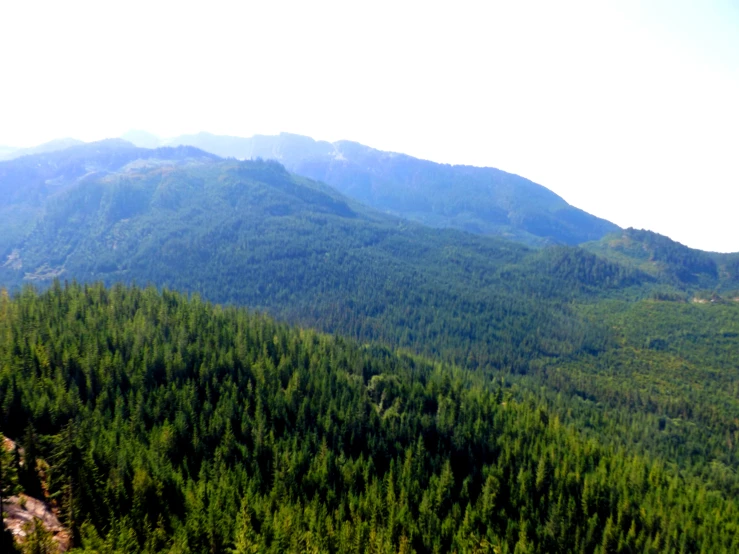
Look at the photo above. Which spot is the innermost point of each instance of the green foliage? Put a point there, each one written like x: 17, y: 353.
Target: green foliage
x: 9, y: 486
x: 669, y: 261
x: 38, y: 540
x: 668, y: 384
x: 28, y: 182
x: 173, y: 425
x: 249, y: 233
x: 8, y: 471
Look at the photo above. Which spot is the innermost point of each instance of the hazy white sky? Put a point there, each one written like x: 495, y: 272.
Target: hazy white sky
x: 629, y: 110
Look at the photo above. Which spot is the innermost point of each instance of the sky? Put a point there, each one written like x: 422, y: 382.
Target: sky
x: 628, y: 110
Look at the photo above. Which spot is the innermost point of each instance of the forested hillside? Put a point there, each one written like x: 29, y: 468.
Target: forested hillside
x: 485, y: 200
x: 670, y: 261
x: 169, y: 425
x: 250, y: 233
x: 28, y: 183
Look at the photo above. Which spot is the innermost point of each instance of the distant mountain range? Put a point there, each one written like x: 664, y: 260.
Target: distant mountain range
x: 30, y: 182
x: 484, y: 201
x: 10, y: 153
x: 252, y: 233
x: 34, y: 186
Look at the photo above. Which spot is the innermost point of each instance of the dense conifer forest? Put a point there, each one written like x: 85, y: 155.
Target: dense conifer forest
x: 167, y: 424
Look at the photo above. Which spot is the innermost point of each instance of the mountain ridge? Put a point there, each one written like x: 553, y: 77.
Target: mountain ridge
x: 251, y: 233
x: 11, y: 153
x: 660, y: 256
x: 483, y: 200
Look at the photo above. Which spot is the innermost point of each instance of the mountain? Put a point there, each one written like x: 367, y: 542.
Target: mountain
x: 580, y: 388
x: 29, y: 183
x: 669, y: 260
x: 253, y: 234
x: 142, y: 139
x: 479, y: 200
x: 51, y: 146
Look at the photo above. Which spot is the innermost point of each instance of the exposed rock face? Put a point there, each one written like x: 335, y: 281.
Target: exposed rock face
x: 20, y: 512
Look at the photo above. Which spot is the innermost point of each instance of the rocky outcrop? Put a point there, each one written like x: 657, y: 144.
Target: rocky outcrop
x: 21, y: 514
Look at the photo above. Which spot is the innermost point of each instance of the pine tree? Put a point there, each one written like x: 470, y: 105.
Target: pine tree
x: 39, y: 540
x: 9, y: 485
x: 66, y: 466
x: 246, y: 540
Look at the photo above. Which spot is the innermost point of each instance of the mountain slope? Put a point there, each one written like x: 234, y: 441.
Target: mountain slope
x: 28, y: 183
x: 251, y: 233
x: 45, y: 148
x: 169, y: 425
x: 670, y: 261
x: 479, y: 200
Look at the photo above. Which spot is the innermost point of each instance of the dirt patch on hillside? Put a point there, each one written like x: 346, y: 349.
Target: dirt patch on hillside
x: 44, y: 273
x: 14, y: 261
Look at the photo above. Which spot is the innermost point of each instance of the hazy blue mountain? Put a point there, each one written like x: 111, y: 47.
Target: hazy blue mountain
x: 34, y: 186
x: 224, y: 146
x: 29, y: 182
x: 51, y: 146
x: 485, y: 201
